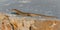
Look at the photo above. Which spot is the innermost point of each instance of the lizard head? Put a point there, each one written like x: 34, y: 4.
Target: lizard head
x: 15, y: 11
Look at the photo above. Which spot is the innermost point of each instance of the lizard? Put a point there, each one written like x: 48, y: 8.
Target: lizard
x: 17, y: 12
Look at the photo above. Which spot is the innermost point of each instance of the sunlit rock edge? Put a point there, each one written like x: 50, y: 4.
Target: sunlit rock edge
x: 14, y: 22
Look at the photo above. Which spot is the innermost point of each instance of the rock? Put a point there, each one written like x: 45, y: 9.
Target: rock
x: 47, y: 25
x: 22, y: 23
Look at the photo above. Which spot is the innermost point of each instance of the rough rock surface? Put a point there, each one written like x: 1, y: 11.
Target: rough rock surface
x: 22, y: 23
